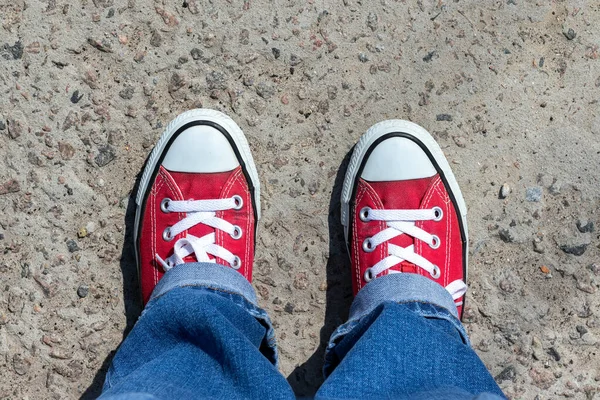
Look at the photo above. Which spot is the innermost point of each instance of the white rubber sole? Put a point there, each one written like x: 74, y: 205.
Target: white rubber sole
x: 390, y: 126
x: 200, y: 114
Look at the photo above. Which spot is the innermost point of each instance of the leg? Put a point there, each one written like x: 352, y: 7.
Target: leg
x: 202, y: 333
x: 405, y: 225
x: 405, y: 346
x: 199, y: 342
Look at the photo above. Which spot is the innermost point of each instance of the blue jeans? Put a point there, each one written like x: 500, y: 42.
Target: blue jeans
x: 202, y: 335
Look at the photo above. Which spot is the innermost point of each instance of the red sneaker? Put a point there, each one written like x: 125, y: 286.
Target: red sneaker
x: 198, y: 199
x: 403, y: 211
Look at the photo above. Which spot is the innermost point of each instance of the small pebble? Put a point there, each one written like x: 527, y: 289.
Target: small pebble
x: 507, y: 374
x: 581, y: 329
x: 106, y: 154
x: 72, y: 246
x: 585, y: 226
x: 127, y: 93
x: 60, y: 354
x: 10, y: 186
x: 75, y: 97
x: 124, y: 202
x: 156, y: 38
x: 90, y: 227
x: 533, y: 194
x: 372, y: 21
x: 554, y: 188
x: 102, y: 45
x: 244, y: 37
x: 176, y: 82
x: 589, y: 339
x: 469, y: 315
x: 542, y: 378
x: 443, y: 117
x: 139, y: 56
x: 21, y: 365
x: 216, y: 80
x: 363, y: 57
x: 507, y: 286
x: 83, y: 290
x: 460, y: 141
x: 570, y: 34
x: 538, y: 246
x: 265, y: 90
x: 506, y: 235
x: 429, y: 56
x: 66, y: 150
x: 15, y: 128
x: 15, y: 50
x: 276, y: 52
x: 109, y: 238
x: 196, y: 53
x: 504, y: 191
x: 576, y: 250
x: 545, y: 180
x: 295, y: 60
x: 332, y: 92
x: 552, y: 352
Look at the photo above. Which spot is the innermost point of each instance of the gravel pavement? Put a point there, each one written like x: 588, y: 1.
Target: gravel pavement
x: 510, y: 89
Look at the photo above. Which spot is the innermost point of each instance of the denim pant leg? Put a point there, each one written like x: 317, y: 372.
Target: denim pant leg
x: 404, y: 340
x: 201, y: 335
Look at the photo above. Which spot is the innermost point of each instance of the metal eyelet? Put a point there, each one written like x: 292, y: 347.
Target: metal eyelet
x: 237, y: 263
x: 364, y: 214
x: 167, y: 235
x: 435, y: 242
x: 369, y: 276
x: 368, y: 245
x: 237, y: 232
x: 439, y: 213
x: 239, y: 202
x: 436, y: 272
x: 164, y: 204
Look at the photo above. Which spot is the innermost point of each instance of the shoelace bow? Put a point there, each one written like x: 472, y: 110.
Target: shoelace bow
x: 401, y: 222
x: 200, y: 212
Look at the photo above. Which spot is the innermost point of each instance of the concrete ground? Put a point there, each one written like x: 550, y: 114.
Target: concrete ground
x: 510, y: 89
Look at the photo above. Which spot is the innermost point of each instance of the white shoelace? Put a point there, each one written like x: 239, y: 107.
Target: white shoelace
x: 200, y: 212
x: 401, y: 222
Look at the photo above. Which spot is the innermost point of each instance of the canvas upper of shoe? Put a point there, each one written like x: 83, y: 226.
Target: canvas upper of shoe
x: 411, y: 224
x: 187, y: 215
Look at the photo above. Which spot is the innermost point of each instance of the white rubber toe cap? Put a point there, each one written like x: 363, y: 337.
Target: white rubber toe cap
x: 397, y: 159
x: 200, y: 149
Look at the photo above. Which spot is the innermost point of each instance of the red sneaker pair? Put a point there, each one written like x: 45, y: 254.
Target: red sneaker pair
x: 199, y: 200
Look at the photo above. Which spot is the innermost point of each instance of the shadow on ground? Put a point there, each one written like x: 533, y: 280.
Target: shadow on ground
x: 308, y: 377
x: 131, y: 291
